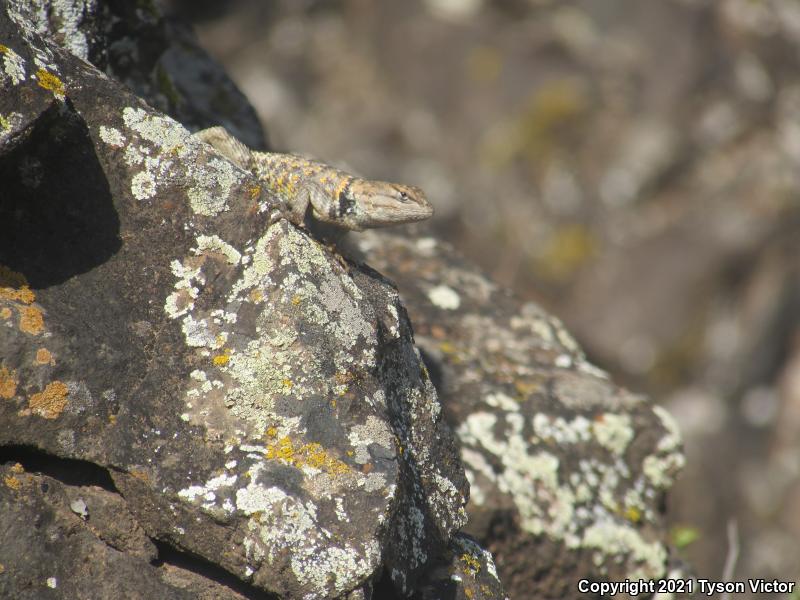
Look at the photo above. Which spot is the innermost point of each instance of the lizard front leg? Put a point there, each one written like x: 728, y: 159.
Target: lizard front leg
x: 307, y: 194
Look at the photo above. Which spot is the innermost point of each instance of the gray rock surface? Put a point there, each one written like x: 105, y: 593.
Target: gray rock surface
x: 568, y: 472
x: 254, y: 403
x: 257, y: 402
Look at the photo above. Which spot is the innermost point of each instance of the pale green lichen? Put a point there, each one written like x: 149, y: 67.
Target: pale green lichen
x: 169, y: 154
x: 112, y: 136
x: 672, y: 440
x: 611, y: 539
x: 63, y: 18
x: 597, y: 498
x: 613, y: 432
x: 373, y: 431
x: 322, y: 566
x: 214, y: 243
x: 561, y: 431
x: 143, y: 185
x: 204, y: 194
x: 181, y: 301
x: 261, y: 369
x: 258, y: 372
x: 661, y: 469
x: 9, y: 124
x: 13, y: 65
x: 502, y: 401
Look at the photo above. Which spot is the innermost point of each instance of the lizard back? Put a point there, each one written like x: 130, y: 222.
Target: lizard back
x: 286, y: 174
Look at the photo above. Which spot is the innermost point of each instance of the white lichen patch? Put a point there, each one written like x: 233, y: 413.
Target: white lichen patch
x: 612, y: 539
x: 9, y: 123
x: 39, y: 17
x: 613, y: 432
x: 205, y: 193
x: 13, y: 66
x: 207, y: 493
x: 672, y: 440
x: 280, y: 523
x: 502, y: 401
x: 259, y: 373
x: 661, y: 469
x: 561, y: 431
x: 164, y: 153
x: 258, y: 367
x: 111, y: 136
x: 577, y: 507
x: 214, y: 243
x: 444, y: 297
x: 563, y: 361
x: 374, y: 431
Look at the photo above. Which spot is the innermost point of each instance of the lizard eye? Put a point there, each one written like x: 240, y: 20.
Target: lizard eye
x: 404, y: 197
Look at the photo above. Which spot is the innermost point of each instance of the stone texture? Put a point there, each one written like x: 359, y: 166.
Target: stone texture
x: 568, y: 472
x: 258, y: 402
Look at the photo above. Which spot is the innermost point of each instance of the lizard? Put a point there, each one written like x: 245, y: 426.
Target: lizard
x: 332, y: 195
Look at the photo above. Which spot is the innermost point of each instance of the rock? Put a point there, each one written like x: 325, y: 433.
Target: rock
x: 49, y: 552
x: 465, y: 571
x: 257, y: 402
x: 568, y: 472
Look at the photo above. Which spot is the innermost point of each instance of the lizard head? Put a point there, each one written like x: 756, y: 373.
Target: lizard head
x: 366, y: 204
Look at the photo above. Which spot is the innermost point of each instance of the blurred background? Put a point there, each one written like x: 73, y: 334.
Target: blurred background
x: 632, y: 166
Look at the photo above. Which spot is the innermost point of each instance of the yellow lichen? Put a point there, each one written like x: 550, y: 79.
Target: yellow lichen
x: 31, y: 320
x: 308, y: 455
x: 222, y: 359
x: 112, y: 419
x: 633, y: 514
x: 51, y: 402
x: 8, y: 383
x: 256, y: 296
x: 50, y: 82
x: 17, y: 468
x: 471, y: 563
x: 3, y: 49
x: 5, y: 313
x: 255, y: 191
x: 287, y: 384
x: 44, y: 357
x: 12, y: 482
x: 296, y: 299
x: 14, y: 286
